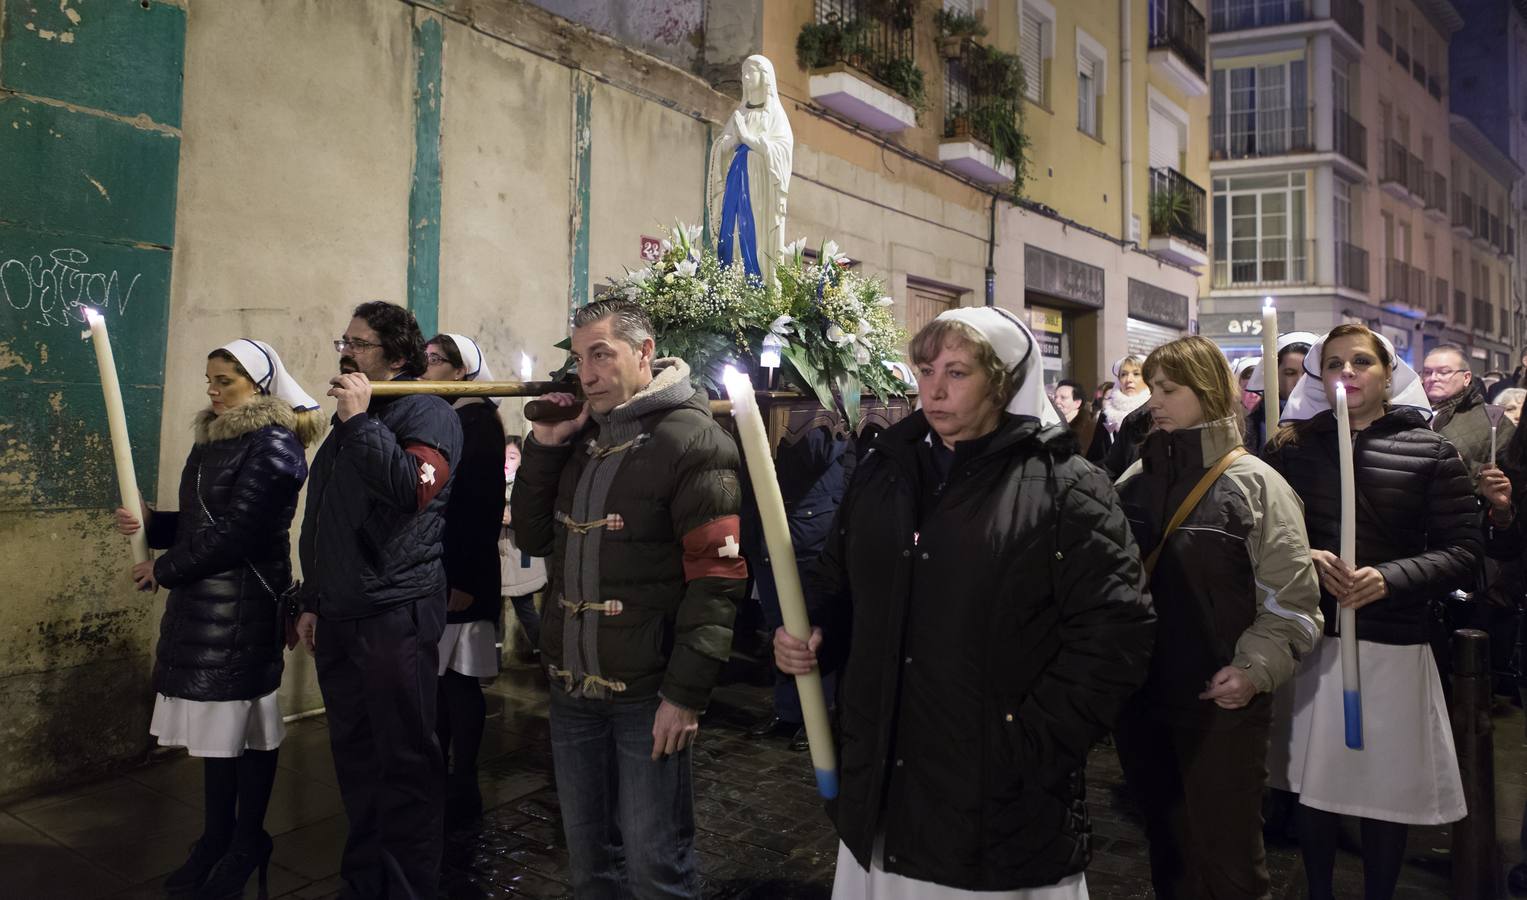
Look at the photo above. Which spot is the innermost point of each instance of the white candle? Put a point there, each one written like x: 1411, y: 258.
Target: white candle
x: 1493, y: 426
x: 1351, y: 684
x: 116, y: 419
x: 787, y: 579
x: 1269, y: 364
x: 527, y: 369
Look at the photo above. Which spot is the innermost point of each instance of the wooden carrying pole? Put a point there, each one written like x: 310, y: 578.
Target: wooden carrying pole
x: 456, y: 389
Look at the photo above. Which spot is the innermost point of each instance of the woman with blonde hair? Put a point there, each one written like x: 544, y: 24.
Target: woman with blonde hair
x: 228, y: 567
x: 1122, y: 422
x: 980, y: 598
x: 1418, y: 539
x: 1237, y: 604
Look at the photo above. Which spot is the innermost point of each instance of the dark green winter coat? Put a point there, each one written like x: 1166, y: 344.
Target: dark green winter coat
x: 638, y: 513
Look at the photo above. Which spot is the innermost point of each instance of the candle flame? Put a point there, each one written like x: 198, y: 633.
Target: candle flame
x: 1268, y: 304
x: 527, y: 369
x: 91, y: 315
x: 734, y: 380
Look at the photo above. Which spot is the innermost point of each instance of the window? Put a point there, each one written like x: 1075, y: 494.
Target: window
x: 1260, y: 110
x: 1091, y: 74
x: 1036, y: 44
x: 1259, y: 230
x: 1341, y: 208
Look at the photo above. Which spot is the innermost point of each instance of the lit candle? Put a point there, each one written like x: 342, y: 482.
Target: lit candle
x: 1269, y: 364
x: 1494, y: 414
x: 527, y: 369
x: 1351, y: 685
x: 116, y: 420
x: 787, y: 579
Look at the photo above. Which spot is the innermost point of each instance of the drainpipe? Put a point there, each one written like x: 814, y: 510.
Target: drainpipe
x: 991, y: 255
x: 1126, y: 115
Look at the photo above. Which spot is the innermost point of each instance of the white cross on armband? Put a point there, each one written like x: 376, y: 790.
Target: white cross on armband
x: 427, y: 474
x: 730, y: 549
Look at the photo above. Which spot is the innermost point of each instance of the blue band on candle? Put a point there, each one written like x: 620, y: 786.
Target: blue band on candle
x: 827, y: 783
x: 1352, y: 704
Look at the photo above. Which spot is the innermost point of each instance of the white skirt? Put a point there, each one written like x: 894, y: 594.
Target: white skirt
x: 470, y: 648
x: 1407, y: 771
x: 219, y: 728
x: 851, y: 882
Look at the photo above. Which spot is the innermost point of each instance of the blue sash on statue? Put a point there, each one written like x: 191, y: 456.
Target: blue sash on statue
x: 737, y: 216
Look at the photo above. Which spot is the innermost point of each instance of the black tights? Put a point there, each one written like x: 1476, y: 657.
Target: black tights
x: 237, y: 796
x: 459, y: 722
x: 1383, y: 853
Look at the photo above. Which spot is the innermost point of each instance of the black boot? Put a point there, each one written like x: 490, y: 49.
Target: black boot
x: 227, y: 879
x: 187, y: 878
x: 463, y: 798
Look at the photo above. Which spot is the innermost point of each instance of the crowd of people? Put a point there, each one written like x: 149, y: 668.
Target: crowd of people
x: 995, y: 583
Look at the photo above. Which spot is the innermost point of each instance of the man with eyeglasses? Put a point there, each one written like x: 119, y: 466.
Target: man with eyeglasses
x: 1459, y: 410
x: 374, y: 602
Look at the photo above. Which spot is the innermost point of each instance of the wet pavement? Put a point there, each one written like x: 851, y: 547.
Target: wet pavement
x: 762, y: 835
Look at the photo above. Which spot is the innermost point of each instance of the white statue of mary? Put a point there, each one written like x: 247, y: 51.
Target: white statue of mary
x: 749, y: 178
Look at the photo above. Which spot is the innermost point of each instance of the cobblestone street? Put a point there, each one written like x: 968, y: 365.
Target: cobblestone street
x: 762, y: 833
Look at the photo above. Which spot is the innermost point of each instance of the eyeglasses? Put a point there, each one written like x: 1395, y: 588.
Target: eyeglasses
x: 1439, y: 373
x: 353, y: 343
x: 436, y: 359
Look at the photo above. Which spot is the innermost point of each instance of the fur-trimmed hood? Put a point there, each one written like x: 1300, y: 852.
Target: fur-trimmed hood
x: 254, y: 415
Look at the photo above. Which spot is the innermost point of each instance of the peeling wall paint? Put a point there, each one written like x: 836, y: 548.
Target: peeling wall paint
x: 89, y: 131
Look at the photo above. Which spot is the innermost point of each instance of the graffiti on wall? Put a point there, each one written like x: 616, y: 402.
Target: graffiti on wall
x: 55, y: 290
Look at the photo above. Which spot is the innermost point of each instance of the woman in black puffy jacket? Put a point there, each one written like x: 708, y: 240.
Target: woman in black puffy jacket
x: 1418, y: 539
x: 227, y: 564
x: 473, y: 517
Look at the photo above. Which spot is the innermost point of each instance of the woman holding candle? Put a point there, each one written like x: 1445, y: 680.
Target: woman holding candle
x: 981, y: 599
x: 1417, y: 539
x: 522, y: 574
x: 473, y: 519
x: 1238, y: 603
x: 228, y: 568
x: 1122, y: 423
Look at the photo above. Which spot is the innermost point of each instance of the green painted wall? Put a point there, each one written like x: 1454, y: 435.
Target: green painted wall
x: 90, y: 101
x: 424, y: 192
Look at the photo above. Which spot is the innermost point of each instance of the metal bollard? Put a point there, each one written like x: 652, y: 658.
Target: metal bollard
x: 1475, y: 866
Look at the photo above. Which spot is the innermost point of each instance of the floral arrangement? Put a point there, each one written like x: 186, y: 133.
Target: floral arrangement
x: 833, y: 327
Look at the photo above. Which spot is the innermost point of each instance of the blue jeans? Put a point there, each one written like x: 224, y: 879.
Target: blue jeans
x: 616, y: 801
x: 525, y: 610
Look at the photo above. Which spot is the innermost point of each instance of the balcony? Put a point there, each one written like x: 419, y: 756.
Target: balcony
x: 1265, y: 262
x: 1402, y: 56
x: 1351, y: 266
x: 1261, y: 133
x: 1436, y: 198
x: 1418, y: 72
x: 862, y: 64
x: 1484, y: 315
x: 1178, y: 218
x: 1241, y: 15
x: 1402, y: 172
x: 1179, y: 44
x: 1386, y: 43
x: 1497, y: 234
x: 1463, y: 214
x: 1350, y: 138
x: 1460, y: 309
x: 981, y: 138
x: 1404, y: 285
x: 1434, y: 87
x: 1439, y: 297
x: 1510, y: 248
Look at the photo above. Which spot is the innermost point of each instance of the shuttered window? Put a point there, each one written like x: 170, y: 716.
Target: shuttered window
x: 1166, y: 141
x: 1031, y: 48
x: 1086, y: 96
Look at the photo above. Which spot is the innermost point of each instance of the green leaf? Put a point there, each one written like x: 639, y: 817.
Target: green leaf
x: 850, y: 388
x: 809, y: 375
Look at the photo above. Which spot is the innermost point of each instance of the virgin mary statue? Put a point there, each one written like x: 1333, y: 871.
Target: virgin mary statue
x: 755, y: 151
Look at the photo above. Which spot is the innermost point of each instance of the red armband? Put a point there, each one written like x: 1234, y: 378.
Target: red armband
x: 712, y: 551
x: 434, y: 471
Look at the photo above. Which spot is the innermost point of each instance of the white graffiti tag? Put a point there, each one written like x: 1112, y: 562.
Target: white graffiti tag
x: 58, y: 288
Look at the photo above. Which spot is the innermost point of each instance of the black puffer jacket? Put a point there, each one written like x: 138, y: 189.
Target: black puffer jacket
x: 1417, y: 521
x: 366, y: 545
x: 475, y: 515
x: 993, y: 625
x: 221, y: 636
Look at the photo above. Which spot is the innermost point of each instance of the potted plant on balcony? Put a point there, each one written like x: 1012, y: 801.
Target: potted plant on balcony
x: 1169, y: 211
x: 955, y: 30
x: 829, y: 43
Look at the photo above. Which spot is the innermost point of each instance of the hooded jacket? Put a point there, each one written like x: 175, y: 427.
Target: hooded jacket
x: 1467, y: 427
x: 639, y: 516
x: 221, y: 636
x: 1234, y: 585
x: 1417, y: 521
x: 367, y: 543
x: 987, y: 628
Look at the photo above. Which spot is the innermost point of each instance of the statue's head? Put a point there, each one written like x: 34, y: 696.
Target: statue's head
x: 758, y: 85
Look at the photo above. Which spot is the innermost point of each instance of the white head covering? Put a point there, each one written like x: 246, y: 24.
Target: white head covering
x: 1016, y: 347
x: 1244, y: 363
x: 1285, y: 341
x: 263, y: 364
x: 476, y: 367
x: 1118, y: 366
x: 1309, y: 395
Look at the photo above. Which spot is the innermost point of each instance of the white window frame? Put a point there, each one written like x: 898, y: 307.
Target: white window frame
x: 1089, y: 51
x: 1038, y: 84
x: 1163, y: 105
x: 1292, y: 267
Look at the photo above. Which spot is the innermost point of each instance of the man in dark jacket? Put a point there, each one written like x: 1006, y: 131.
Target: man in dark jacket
x: 374, y: 602
x: 636, y: 503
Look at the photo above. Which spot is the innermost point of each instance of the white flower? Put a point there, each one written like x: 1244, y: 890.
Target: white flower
x: 692, y: 233
x: 795, y: 247
x: 830, y: 254
x: 864, y: 328
x: 668, y: 279
x: 666, y: 245
x: 861, y: 354
x: 687, y: 268
x: 885, y: 301
x: 838, y: 336
x: 640, y: 276
x: 781, y: 325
